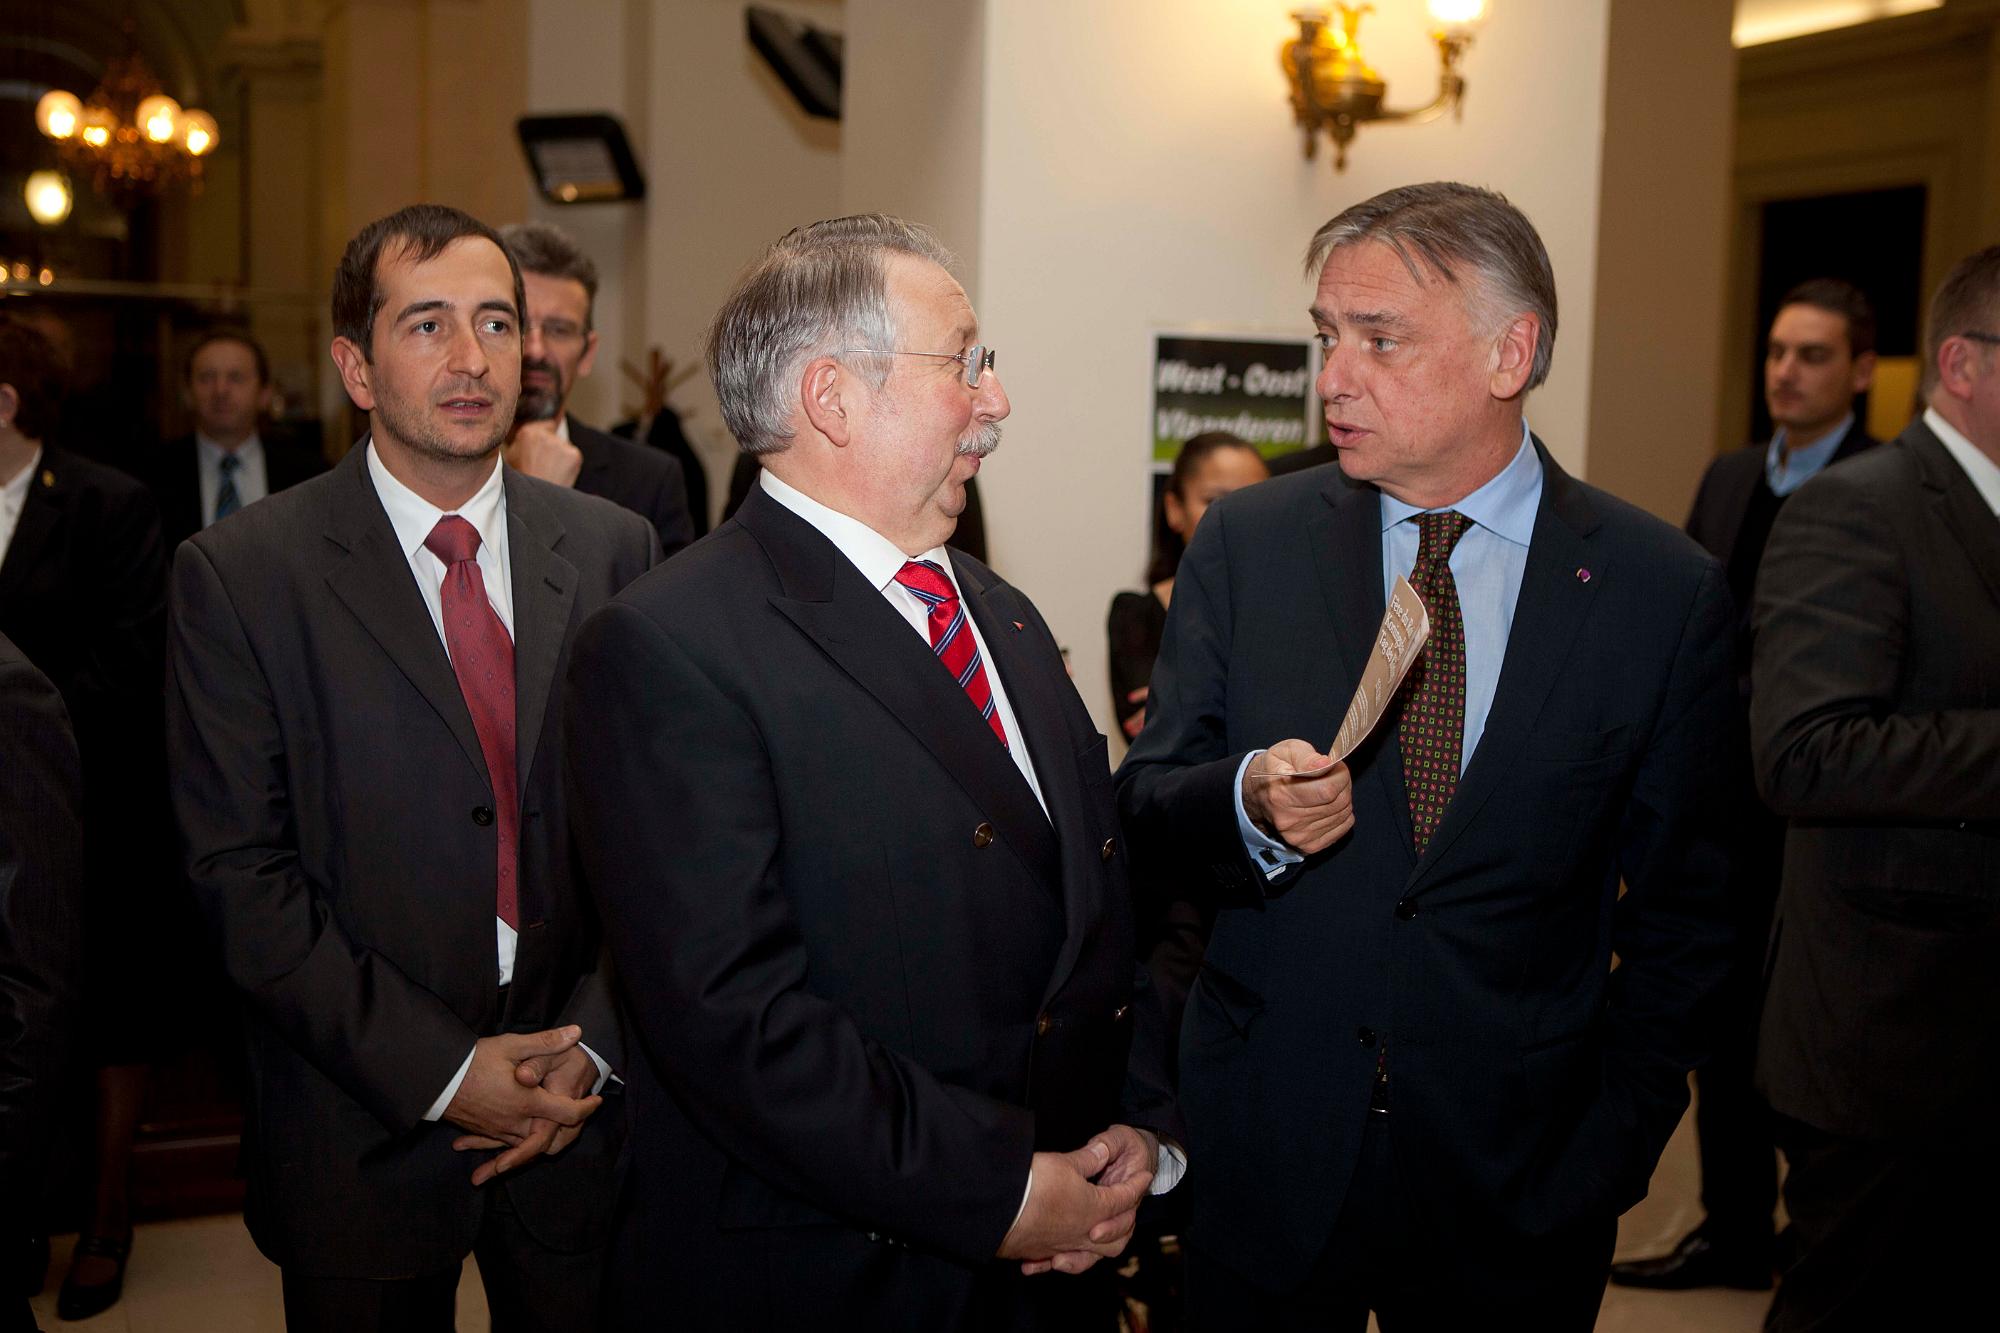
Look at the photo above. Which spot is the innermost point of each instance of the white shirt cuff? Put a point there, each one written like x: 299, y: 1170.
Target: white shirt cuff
x: 1168, y: 1168
x: 604, y: 1074
x: 1270, y: 855
x: 451, y: 1089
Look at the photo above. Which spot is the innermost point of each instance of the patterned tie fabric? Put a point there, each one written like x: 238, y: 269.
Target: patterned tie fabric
x: 482, y: 657
x: 1431, y: 731
x: 951, y: 637
x: 227, y: 501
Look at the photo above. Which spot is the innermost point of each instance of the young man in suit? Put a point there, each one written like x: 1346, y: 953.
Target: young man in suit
x: 367, y: 763
x: 1414, y: 1081
x: 559, y: 348
x: 1820, y: 356
x: 1875, y: 720
x: 852, y: 830
x: 226, y: 463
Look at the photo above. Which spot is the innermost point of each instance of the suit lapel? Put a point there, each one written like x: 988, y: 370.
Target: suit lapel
x: 375, y: 583
x: 1958, y: 504
x: 596, y: 461
x: 854, y: 625
x: 42, y: 511
x: 544, y: 592
x: 1734, y: 504
x: 1554, y: 601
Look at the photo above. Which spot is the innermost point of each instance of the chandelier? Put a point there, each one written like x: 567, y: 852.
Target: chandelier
x: 128, y: 136
x: 1335, y: 90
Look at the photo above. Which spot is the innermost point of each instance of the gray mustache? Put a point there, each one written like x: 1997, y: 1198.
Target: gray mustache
x: 981, y: 442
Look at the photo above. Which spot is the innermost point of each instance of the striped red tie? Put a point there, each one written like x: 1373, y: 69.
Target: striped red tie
x: 951, y: 637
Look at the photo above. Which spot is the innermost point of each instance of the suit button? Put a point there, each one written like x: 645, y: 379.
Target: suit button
x: 1123, y: 1010
x: 982, y: 836
x: 1366, y: 1036
x: 481, y: 815
x: 1406, y: 909
x: 1043, y: 1025
x: 1110, y: 847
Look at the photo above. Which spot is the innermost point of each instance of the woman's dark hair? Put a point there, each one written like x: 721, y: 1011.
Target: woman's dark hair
x: 1167, y: 544
x: 30, y: 362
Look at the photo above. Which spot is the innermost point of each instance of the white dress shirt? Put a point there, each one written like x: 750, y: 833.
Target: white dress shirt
x: 1983, y: 471
x: 13, y: 498
x: 252, y: 480
x: 879, y: 560
x: 413, y: 517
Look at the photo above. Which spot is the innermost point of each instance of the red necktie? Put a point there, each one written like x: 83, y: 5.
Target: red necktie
x: 482, y: 656
x: 1431, y: 732
x: 951, y: 637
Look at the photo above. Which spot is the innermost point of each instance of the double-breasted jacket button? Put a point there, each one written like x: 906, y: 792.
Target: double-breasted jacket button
x: 1406, y: 909
x: 482, y: 815
x: 1044, y: 1025
x: 1109, y: 849
x: 1123, y: 1010
x: 983, y: 835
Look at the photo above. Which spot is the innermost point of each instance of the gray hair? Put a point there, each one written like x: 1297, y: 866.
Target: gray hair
x: 1966, y: 301
x: 820, y: 290
x: 1444, y: 226
x: 541, y: 247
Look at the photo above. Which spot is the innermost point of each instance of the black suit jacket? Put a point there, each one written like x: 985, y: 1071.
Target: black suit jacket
x: 646, y: 481
x: 1876, y: 723
x: 1532, y: 1087
x: 1716, y: 520
x: 41, y: 926
x: 869, y: 974
x: 336, y: 811
x: 177, y: 479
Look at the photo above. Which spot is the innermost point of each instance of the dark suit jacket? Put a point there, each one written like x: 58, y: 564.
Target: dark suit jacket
x: 1876, y: 724
x: 177, y: 479
x: 646, y: 481
x: 1531, y: 1086
x: 969, y: 536
x: 336, y: 811
x: 869, y: 976
x: 41, y: 926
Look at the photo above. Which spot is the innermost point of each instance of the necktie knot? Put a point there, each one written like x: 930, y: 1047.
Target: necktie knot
x: 453, y: 540
x: 1438, y: 535
x: 927, y: 581
x: 230, y: 464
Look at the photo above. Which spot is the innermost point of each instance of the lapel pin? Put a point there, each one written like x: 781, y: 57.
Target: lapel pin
x: 48, y: 477
x: 1582, y: 575
x: 1018, y: 627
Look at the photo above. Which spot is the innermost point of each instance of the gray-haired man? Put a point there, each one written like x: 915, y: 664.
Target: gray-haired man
x: 1413, y: 1079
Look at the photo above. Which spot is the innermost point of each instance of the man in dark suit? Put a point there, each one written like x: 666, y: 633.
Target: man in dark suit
x: 41, y: 945
x: 1413, y: 1081
x: 852, y: 831
x: 1821, y: 355
x: 367, y: 766
x: 1875, y: 718
x: 559, y: 348
x: 227, y: 462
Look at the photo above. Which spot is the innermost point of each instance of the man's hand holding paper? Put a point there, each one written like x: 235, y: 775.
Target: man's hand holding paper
x: 1310, y: 811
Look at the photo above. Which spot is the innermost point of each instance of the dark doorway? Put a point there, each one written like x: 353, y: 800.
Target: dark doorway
x: 1874, y: 239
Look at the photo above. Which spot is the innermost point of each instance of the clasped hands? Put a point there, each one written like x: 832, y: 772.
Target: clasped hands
x: 1299, y: 796
x: 1082, y: 1205
x: 527, y: 1093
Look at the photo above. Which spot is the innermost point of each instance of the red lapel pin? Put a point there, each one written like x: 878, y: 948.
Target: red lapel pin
x: 1018, y: 626
x: 1583, y: 576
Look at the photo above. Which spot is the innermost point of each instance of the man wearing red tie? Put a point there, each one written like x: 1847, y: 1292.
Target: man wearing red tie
x: 367, y: 772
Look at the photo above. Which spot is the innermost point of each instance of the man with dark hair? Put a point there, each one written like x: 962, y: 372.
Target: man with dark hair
x: 1875, y: 722
x: 1414, y: 1080
x: 559, y: 347
x: 367, y: 765
x: 227, y: 462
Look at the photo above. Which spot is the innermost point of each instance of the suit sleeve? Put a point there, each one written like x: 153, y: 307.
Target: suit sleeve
x: 1177, y: 786
x: 677, y: 815
x: 1832, y: 740
x: 387, y: 1041
x: 41, y: 885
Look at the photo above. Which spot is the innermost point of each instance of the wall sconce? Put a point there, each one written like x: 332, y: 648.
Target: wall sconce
x: 1335, y: 90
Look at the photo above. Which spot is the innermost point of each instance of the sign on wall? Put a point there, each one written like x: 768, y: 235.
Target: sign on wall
x: 1259, y: 389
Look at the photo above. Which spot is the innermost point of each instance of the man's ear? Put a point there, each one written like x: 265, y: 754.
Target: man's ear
x: 1958, y: 367
x: 355, y: 373
x: 1864, y: 372
x: 589, y: 357
x: 828, y: 394
x: 1514, y: 355
x: 10, y: 403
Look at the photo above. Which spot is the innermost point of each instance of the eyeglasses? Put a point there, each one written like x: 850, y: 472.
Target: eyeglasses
x: 977, y: 359
x: 555, y: 330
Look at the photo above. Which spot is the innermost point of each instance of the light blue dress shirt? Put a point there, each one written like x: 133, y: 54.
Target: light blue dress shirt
x: 1488, y: 565
x: 1786, y: 472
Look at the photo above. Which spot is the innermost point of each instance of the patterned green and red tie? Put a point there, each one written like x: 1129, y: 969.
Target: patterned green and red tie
x: 1432, y: 729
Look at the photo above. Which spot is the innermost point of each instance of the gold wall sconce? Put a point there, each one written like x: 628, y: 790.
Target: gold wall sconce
x: 1335, y: 90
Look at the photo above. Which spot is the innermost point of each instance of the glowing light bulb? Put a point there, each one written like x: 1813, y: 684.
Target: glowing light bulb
x: 159, y: 118
x: 1457, y: 16
x: 48, y: 197
x: 58, y: 114
x: 198, y: 133
x: 98, y: 124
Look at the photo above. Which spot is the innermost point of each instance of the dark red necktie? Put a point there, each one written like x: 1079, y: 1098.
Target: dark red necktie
x: 951, y: 637
x: 1431, y: 732
x: 482, y: 656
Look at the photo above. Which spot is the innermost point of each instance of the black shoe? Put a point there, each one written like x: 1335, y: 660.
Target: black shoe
x: 76, y: 1301
x: 1698, y: 1262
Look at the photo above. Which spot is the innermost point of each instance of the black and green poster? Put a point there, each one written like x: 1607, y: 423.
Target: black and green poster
x: 1259, y: 389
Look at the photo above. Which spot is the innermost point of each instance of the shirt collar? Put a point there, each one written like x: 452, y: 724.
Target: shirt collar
x: 215, y: 451
x: 1983, y: 471
x: 413, y: 517
x: 16, y: 486
x: 562, y: 427
x: 878, y: 558
x: 1786, y: 472
x: 1504, y: 506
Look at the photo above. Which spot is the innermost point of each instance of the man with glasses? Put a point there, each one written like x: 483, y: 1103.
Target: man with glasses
x: 851, y: 832
x: 560, y: 348
x: 1875, y: 721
